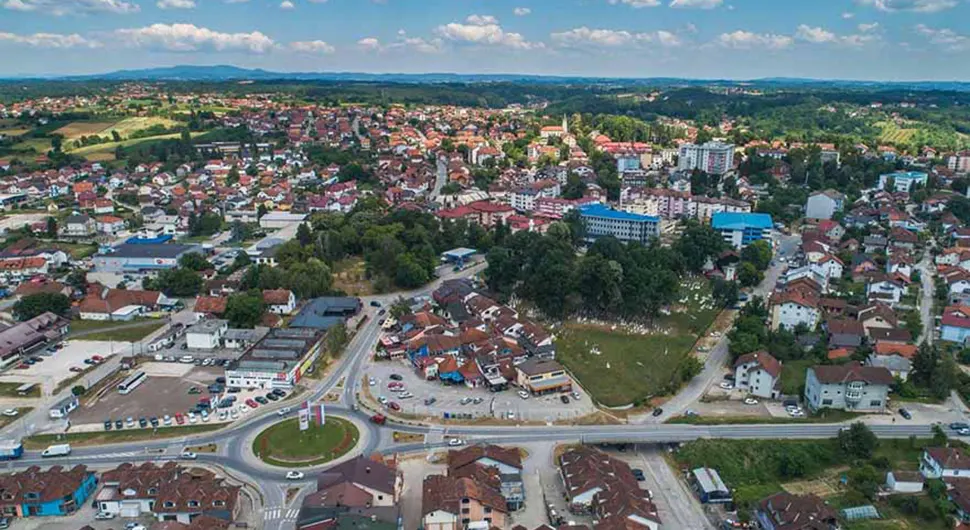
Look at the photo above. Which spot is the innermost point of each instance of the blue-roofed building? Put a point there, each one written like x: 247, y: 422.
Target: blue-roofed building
x: 129, y: 257
x: 741, y: 229
x: 902, y: 180
x: 601, y: 221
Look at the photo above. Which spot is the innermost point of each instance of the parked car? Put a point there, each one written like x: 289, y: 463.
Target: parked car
x: 523, y: 394
x: 261, y: 400
x: 657, y: 411
x: 271, y: 396
x: 119, y: 424
x: 107, y: 425
x: 10, y: 412
x: 143, y: 422
x: 564, y: 398
x: 430, y: 400
x: 396, y: 377
x: 575, y: 395
x: 103, y: 516
x: 179, y: 418
x: 638, y: 474
x: 154, y: 421
x: 906, y: 414
x: 750, y: 401
x: 167, y: 420
x: 956, y: 426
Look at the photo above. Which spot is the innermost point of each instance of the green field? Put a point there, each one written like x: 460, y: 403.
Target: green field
x: 10, y: 390
x: 128, y: 334
x: 793, y: 376
x: 105, y: 151
x: 41, y: 441
x: 284, y: 445
x: 77, y: 250
x: 631, y: 367
x: 892, y: 134
x: 13, y: 132
x: 38, y: 145
x: 823, y: 416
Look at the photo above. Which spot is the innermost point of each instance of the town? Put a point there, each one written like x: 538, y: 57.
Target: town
x: 229, y: 305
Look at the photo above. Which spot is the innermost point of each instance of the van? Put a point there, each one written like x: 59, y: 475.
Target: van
x: 187, y: 359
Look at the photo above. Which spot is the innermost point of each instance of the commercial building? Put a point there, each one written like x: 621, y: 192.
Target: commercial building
x: 542, y: 376
x: 137, y: 258
x: 281, y: 219
x: 25, y: 337
x: 741, y: 229
x: 63, y: 408
x: 716, y: 158
x: 54, y: 492
x: 601, y: 221
x: 902, y: 180
x: 279, y: 360
x: 206, y: 335
x: 324, y: 312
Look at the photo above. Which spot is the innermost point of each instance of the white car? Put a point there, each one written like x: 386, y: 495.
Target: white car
x: 167, y: 420
x: 11, y: 412
x: 405, y: 395
x: 523, y: 394
x: 223, y: 415
x: 187, y: 359
x: 382, y: 400
x: 192, y: 418
x: 964, y: 432
x: 454, y: 442
x: 189, y: 455
x: 726, y: 386
x: 372, y: 381
x: 130, y: 422
x: 243, y: 409
x: 205, y: 416
x: 576, y: 395
x: 294, y: 475
x: 510, y: 415
x: 233, y: 414
x: 103, y: 516
x: 750, y: 401
x: 283, y: 411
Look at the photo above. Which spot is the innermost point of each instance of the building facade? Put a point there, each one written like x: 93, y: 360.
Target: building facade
x: 716, y: 158
x: 601, y: 221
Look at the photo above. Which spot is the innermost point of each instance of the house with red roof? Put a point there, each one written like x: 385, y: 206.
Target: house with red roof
x: 758, y: 373
x: 955, y: 324
x: 793, y: 307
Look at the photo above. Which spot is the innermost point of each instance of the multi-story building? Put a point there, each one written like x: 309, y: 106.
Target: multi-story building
x: 794, y: 307
x: 57, y: 491
x: 759, y: 373
x: 716, y: 158
x: 902, y: 180
x: 741, y: 229
x: 601, y: 221
x: 959, y: 162
x: 848, y: 387
x: 824, y: 204
x: 704, y: 208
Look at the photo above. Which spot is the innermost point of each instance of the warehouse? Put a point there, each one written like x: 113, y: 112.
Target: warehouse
x: 278, y: 360
x: 136, y: 258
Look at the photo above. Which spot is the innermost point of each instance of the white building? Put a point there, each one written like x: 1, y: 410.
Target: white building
x: 716, y: 158
x: 940, y: 462
x: 279, y: 360
x: 758, y: 373
x: 902, y: 180
x: 206, y: 335
x: 847, y: 387
x: 824, y: 204
x: 789, y: 309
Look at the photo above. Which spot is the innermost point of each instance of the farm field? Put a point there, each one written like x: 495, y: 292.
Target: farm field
x: 13, y: 132
x: 105, y: 152
x: 129, y: 125
x: 38, y: 145
x: 620, y: 367
x: 892, y: 133
x: 77, y: 129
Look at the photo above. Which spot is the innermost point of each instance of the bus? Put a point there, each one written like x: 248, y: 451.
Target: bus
x: 26, y: 388
x: 133, y: 381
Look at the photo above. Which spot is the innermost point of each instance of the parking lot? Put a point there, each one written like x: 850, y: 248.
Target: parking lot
x: 170, y: 388
x: 56, y: 367
x: 471, y: 402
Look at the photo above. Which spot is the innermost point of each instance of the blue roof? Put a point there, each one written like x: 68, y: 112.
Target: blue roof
x: 598, y: 210
x: 460, y: 252
x: 740, y: 221
x: 905, y: 175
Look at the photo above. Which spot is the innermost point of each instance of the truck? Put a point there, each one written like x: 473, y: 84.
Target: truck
x: 379, y: 419
x: 57, y: 450
x: 11, y: 449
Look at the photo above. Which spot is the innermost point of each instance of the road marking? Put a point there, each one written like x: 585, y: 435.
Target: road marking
x: 292, y: 514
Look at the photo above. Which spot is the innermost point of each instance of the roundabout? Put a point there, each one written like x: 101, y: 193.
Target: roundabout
x: 283, y: 444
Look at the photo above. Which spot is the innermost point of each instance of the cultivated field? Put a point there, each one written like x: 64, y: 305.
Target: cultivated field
x: 77, y: 129
x: 129, y: 125
x: 39, y: 145
x: 893, y: 134
x: 13, y: 132
x: 105, y: 152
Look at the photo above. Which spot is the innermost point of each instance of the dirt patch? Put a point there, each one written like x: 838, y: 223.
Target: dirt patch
x: 207, y: 448
x: 291, y: 494
x: 823, y: 487
x: 407, y: 437
x: 78, y: 129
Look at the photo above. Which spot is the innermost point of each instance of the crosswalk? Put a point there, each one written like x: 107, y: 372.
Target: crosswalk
x: 108, y: 456
x: 274, y: 513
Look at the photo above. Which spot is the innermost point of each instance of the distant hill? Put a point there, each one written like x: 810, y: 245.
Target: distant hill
x: 235, y: 73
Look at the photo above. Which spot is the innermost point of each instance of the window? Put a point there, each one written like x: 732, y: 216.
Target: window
x: 488, y: 510
x: 193, y: 504
x: 153, y: 491
x: 380, y: 497
x: 218, y: 503
x: 169, y: 504
x: 466, y: 521
x: 875, y: 403
x: 826, y: 401
x: 465, y: 511
x: 465, y: 501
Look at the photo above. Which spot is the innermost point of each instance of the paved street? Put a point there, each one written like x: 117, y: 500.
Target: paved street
x: 927, y: 296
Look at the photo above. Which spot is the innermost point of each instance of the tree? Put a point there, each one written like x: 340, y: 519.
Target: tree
x: 858, y: 441
x: 78, y: 279
x: 51, y: 231
x: 748, y: 275
x: 697, y: 244
x: 758, y: 254
x: 245, y: 310
x: 725, y: 292
x: 303, y: 234
x: 33, y: 305
x: 261, y: 211
x: 575, y: 187
x: 233, y: 176
x: 336, y: 340
x: 195, y: 261
x: 399, y: 308
x: 176, y: 282
x: 78, y: 390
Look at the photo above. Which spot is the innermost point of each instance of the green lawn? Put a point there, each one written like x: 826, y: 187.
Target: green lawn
x: 284, y: 445
x: 128, y: 334
x: 77, y: 250
x: 823, y: 416
x: 793, y: 376
x: 10, y: 390
x: 631, y: 367
x: 41, y: 441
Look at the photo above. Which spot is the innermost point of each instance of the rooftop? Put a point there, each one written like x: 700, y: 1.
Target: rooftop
x: 740, y: 221
x: 599, y: 210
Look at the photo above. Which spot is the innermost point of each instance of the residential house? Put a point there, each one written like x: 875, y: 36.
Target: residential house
x: 877, y: 316
x: 605, y: 487
x: 886, y: 289
x: 944, y: 462
x: 505, y: 462
x: 845, y: 333
x: 785, y: 511
x: 77, y: 225
x: 279, y: 301
x: 450, y: 503
x: 793, y: 307
x: 955, y: 324
x: 382, y: 482
x: 849, y: 386
x: 824, y: 204
x: 759, y: 374
x: 899, y: 366
x: 36, y: 493
x: 904, y: 481
x: 110, y: 225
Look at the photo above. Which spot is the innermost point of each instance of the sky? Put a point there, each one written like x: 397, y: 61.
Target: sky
x: 888, y: 40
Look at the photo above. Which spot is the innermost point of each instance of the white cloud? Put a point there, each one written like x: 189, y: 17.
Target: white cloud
x: 945, y: 38
x: 64, y: 7
x: 696, y: 4
x: 918, y: 6
x: 484, y: 30
x: 236, y: 1
x: 49, y: 40
x: 847, y: 16
x: 636, y: 3
x: 189, y: 38
x: 816, y: 34
x: 521, y: 11
x: 741, y: 39
x: 176, y: 4
x: 287, y: 5
x: 312, y: 46
x: 583, y: 37
x: 369, y: 44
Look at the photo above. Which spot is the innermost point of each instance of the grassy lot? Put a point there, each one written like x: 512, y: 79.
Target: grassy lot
x: 10, y: 390
x: 793, y: 376
x: 823, y: 416
x: 77, y: 250
x: 349, y: 276
x: 13, y: 132
x: 632, y: 367
x: 7, y: 420
x: 754, y: 469
x: 103, y: 151
x: 81, y: 439
x: 284, y: 445
x: 130, y: 334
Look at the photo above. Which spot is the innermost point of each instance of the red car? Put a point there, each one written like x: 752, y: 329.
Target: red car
x: 251, y: 403
x: 97, y: 358
x: 379, y: 419
x: 77, y: 369
x: 179, y: 418
x: 394, y: 384
x: 393, y: 406
x: 23, y: 366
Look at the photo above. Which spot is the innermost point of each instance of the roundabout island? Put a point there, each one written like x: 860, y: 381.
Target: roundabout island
x: 283, y: 444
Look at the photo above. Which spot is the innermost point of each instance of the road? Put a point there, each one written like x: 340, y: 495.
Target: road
x: 441, y: 177
x: 714, y: 363
x: 927, y: 296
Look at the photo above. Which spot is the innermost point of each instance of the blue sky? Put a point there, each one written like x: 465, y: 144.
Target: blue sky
x: 739, y: 39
